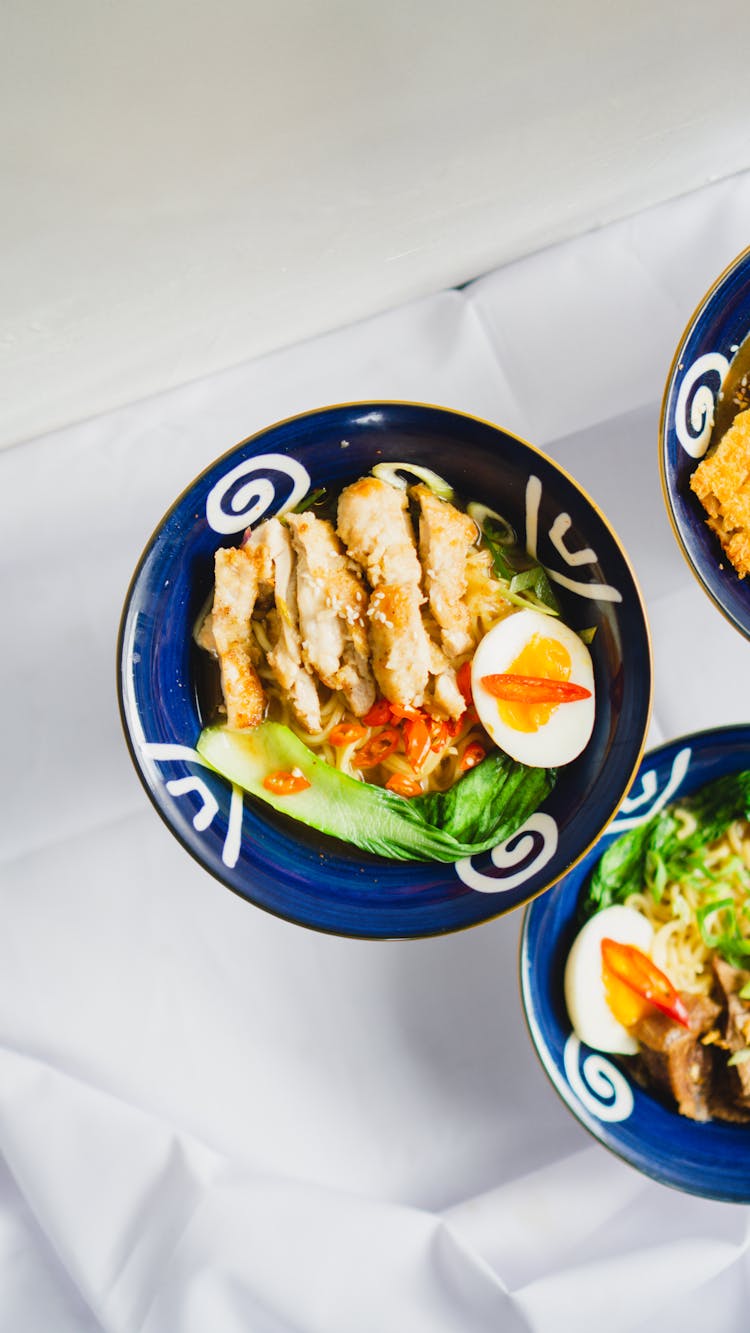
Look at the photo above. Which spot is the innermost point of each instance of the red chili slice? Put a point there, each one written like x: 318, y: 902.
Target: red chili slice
x: 440, y: 734
x: 463, y: 681
x: 533, y: 689
x: 379, y: 714
x: 417, y: 741
x: 472, y: 755
x: 377, y: 749
x: 455, y: 725
x: 344, y: 733
x: 637, y: 971
x: 403, y: 785
x: 399, y: 714
x: 285, y: 784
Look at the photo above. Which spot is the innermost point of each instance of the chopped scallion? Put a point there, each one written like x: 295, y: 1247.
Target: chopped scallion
x: 391, y: 472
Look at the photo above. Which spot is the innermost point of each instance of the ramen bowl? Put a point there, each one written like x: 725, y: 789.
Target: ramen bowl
x: 703, y: 392
x: 711, y: 1159
x: 275, y: 862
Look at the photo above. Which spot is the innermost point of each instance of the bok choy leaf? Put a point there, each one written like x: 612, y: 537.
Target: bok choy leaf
x: 485, y: 806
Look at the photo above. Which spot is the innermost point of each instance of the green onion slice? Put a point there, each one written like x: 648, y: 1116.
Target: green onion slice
x: 391, y: 472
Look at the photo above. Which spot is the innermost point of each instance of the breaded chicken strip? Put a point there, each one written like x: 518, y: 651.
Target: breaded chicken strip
x: 722, y: 483
x: 444, y: 698
x: 374, y: 524
x: 399, y: 642
x: 332, y: 601
x: 446, y: 535
x: 285, y: 656
x: 238, y: 571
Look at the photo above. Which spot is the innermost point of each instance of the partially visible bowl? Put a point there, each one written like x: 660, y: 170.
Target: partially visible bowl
x: 271, y: 861
x: 710, y: 1159
x: 696, y: 409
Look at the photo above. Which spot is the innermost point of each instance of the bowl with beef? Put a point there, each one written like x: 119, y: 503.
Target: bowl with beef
x: 384, y: 670
x: 635, y: 971
x: 704, y: 443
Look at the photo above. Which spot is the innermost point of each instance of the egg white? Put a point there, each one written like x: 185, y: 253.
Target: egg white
x: 568, y: 731
x: 591, y: 1017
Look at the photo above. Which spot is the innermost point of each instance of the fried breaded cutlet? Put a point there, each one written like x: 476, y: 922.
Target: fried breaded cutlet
x: 722, y: 483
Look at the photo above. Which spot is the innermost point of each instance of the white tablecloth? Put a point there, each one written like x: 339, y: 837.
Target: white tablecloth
x: 212, y: 1120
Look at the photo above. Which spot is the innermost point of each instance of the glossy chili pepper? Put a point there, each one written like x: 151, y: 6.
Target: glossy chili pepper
x: 403, y: 785
x: 377, y: 749
x: 533, y: 689
x: 472, y: 755
x: 636, y: 970
x: 285, y: 784
x: 398, y: 713
x: 344, y: 733
x: 379, y: 714
x: 463, y: 681
x: 440, y: 734
x: 417, y: 741
x: 455, y: 725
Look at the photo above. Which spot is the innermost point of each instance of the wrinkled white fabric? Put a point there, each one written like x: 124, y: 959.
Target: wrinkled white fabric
x: 211, y: 1119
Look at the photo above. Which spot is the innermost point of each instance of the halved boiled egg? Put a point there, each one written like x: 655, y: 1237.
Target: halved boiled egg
x: 535, y: 647
x: 588, y: 997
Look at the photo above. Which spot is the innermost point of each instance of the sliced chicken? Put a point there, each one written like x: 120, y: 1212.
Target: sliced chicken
x: 399, y: 642
x: 374, y: 524
x: 332, y: 600
x: 325, y: 622
x: 444, y: 699
x: 237, y: 573
x: 285, y: 656
x: 410, y: 668
x: 204, y: 634
x: 446, y: 535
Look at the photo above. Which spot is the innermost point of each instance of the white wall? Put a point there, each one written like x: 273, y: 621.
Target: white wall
x: 186, y: 185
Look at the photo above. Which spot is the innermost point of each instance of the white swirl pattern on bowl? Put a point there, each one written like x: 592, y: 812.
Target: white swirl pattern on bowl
x: 161, y: 753
x: 594, y: 591
x: 598, y: 1084
x: 231, y: 510
x: 694, y: 416
x: 650, y: 793
x: 521, y: 855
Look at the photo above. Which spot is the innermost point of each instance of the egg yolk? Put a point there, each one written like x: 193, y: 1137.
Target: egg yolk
x: 625, y: 1004
x: 539, y: 657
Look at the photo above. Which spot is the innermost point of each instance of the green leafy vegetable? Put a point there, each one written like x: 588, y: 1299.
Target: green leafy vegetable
x: 392, y: 473
x: 726, y: 937
x: 657, y: 852
x: 484, y: 807
x: 527, y: 584
x: 535, y: 580
x: 488, y: 803
x: 312, y: 498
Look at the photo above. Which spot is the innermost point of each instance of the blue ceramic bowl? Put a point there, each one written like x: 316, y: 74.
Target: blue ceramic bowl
x: 710, y: 1159
x: 702, y: 361
x: 274, y: 862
